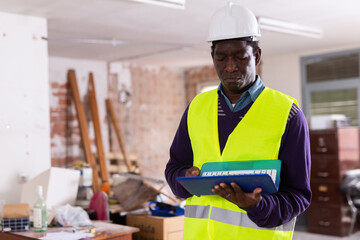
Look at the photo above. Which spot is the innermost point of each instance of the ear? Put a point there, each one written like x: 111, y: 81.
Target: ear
x: 257, y: 56
x: 212, y: 52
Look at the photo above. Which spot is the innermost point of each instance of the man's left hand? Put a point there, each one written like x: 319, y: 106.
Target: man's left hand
x: 233, y: 193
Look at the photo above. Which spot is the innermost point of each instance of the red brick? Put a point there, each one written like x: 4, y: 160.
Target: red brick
x: 59, y: 94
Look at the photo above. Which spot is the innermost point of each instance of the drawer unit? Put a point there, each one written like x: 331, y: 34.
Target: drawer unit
x: 342, y: 143
x: 331, y: 220
x: 333, y: 152
x: 326, y: 168
x: 326, y: 192
x: 324, y: 143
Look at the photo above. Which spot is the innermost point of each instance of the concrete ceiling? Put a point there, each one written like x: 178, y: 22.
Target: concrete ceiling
x: 155, y: 35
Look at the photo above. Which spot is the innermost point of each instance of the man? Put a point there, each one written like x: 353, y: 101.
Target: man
x: 241, y: 120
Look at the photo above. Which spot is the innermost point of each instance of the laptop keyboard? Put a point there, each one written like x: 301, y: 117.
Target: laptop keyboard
x: 270, y: 172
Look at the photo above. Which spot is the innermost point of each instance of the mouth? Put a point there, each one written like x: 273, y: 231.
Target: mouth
x: 232, y: 79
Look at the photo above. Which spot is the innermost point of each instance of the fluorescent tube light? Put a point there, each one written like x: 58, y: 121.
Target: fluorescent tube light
x: 165, y: 3
x: 113, y: 42
x: 288, y: 27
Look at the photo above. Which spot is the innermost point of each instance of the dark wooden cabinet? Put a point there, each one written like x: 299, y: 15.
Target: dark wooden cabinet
x: 333, y: 152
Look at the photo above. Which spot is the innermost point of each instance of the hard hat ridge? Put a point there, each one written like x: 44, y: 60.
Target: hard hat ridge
x: 233, y: 21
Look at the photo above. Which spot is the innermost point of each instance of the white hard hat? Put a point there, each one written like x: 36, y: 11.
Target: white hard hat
x: 233, y: 21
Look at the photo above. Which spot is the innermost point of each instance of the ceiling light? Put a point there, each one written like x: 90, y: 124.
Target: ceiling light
x: 165, y: 3
x: 288, y: 27
x: 113, y: 42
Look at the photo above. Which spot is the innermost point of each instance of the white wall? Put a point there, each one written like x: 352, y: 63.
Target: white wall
x: 24, y: 101
x: 283, y: 73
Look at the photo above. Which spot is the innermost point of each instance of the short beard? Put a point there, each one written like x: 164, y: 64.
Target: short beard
x: 242, y: 84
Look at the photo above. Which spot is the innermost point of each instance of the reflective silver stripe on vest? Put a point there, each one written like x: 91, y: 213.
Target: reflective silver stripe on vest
x: 231, y: 217
x: 197, y: 211
x: 241, y: 219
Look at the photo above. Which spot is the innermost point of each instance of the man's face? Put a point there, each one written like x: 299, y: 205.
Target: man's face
x: 235, y: 62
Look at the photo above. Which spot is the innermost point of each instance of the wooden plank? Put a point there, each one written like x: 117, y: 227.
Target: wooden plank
x: 120, y: 157
x: 117, y: 162
x: 98, y: 137
x: 118, y: 132
x: 84, y: 132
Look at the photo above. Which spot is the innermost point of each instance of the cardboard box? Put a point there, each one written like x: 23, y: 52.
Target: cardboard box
x: 15, y: 218
x: 20, y: 210
x: 156, y: 228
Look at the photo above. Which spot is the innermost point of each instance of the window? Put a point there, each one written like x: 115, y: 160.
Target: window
x: 333, y: 68
x: 333, y: 102
x: 331, y: 85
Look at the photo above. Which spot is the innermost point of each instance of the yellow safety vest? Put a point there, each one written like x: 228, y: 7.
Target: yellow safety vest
x: 256, y: 137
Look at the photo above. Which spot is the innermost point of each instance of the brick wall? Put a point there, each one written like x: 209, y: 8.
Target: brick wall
x: 150, y: 119
x: 66, y: 143
x: 64, y: 130
x: 197, y: 77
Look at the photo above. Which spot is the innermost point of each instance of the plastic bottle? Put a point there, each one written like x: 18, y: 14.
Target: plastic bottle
x: 39, y: 216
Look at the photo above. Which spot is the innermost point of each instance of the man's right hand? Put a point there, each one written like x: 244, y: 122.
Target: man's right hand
x: 192, y: 172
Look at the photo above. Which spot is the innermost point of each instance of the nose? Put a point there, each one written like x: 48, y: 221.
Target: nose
x: 230, y: 65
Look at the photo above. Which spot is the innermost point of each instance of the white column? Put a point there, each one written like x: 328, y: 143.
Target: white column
x: 24, y: 102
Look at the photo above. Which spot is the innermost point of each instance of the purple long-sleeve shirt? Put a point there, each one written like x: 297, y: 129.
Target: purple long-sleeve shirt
x: 294, y: 193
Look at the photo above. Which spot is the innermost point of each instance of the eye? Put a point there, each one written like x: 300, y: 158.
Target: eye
x: 219, y: 58
x: 241, y: 58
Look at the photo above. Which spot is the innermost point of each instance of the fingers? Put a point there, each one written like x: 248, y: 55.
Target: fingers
x: 233, y: 193
x: 195, y: 172
x: 223, y: 190
x: 257, y: 191
x: 245, y: 199
x: 192, y: 172
x: 257, y: 194
x: 236, y: 187
x: 227, y: 189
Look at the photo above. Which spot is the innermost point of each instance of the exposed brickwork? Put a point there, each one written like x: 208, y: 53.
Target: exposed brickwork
x: 151, y: 118
x: 149, y: 121
x: 65, y: 133
x: 66, y: 145
x: 195, y: 77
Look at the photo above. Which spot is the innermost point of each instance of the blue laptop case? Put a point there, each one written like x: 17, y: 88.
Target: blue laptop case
x: 202, y: 185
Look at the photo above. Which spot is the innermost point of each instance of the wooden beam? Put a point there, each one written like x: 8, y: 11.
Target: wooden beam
x: 118, y: 132
x: 84, y: 132
x: 98, y: 137
x: 120, y: 157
